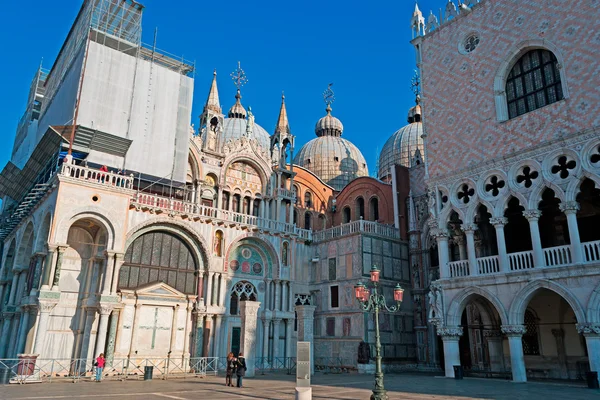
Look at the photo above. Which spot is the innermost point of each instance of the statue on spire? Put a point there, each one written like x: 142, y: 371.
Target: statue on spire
x: 250, y: 124
x: 415, y: 85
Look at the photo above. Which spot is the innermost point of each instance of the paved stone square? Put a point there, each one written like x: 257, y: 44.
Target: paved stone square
x: 281, y: 386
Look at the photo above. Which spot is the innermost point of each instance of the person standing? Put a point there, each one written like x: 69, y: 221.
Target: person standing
x: 241, y: 369
x: 100, y: 361
x: 230, y: 369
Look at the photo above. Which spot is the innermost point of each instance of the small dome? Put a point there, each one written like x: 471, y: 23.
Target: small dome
x: 329, y: 125
x: 237, y: 110
x: 333, y: 159
x: 404, y: 146
x: 235, y: 128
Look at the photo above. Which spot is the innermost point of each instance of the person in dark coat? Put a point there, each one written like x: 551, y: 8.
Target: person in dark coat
x: 241, y: 369
x: 231, y: 369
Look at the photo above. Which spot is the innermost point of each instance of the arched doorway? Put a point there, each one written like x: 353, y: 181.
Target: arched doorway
x: 552, y: 347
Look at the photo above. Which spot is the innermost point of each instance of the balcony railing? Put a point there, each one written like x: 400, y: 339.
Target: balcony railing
x: 552, y: 257
x: 286, y: 193
x: 206, y: 212
x: 360, y: 226
x: 97, y: 177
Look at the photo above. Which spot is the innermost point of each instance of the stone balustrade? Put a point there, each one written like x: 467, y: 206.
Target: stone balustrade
x: 361, y: 226
x: 95, y: 176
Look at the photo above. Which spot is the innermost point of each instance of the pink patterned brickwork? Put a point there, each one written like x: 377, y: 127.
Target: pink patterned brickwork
x: 458, y: 90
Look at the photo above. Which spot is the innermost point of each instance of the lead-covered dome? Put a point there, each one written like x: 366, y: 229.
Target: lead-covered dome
x: 405, y: 146
x: 333, y: 159
x: 236, y: 125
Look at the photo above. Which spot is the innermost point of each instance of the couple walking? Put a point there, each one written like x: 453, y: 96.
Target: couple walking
x: 235, y: 366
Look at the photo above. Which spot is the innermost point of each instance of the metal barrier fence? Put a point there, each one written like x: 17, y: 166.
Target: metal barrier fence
x: 334, y: 365
x: 48, y: 370
x: 263, y: 365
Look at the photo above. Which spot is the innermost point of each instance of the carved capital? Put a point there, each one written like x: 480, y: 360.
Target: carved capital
x: 440, y: 234
x: 459, y: 240
x: 492, y: 333
x: 498, y: 221
x: 450, y: 331
x: 433, y: 224
x: 513, y: 330
x: 46, y: 306
x: 468, y: 228
x: 588, y: 329
x: 569, y: 207
x: 532, y: 215
x: 106, y: 309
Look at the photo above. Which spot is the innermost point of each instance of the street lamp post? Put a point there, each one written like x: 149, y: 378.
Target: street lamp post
x: 373, y: 302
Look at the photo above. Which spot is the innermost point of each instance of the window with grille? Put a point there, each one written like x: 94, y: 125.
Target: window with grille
x: 241, y: 291
x: 533, y: 82
x: 531, y: 345
x: 159, y: 257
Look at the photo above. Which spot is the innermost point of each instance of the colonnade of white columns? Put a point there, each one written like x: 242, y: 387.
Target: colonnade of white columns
x: 441, y: 235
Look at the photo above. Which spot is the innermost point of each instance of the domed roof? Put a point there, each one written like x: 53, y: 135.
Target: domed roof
x: 402, y: 147
x: 235, y: 128
x: 333, y: 159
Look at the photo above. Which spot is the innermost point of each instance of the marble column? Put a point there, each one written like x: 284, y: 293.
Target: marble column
x: 209, y: 288
x: 39, y: 266
x: 306, y: 315
x: 90, y: 316
x: 134, y: 329
x: 494, y: 343
x: 48, y: 266
x: 11, y: 352
x: 559, y: 337
x: 40, y: 337
x: 515, y: 343
x: 208, y: 324
x: 570, y: 209
x: 450, y: 337
x: 24, y: 329
x: 462, y: 248
x: 199, y: 335
x: 109, y: 263
x: 267, y: 305
x: 469, y: 230
x: 283, y: 296
x: 172, y: 343
x: 8, y: 317
x: 119, y: 259
x: 59, y: 258
x: 2, y: 287
x: 216, y: 335
x: 13, y: 288
x: 276, y: 337
x: 249, y: 313
x: 591, y: 332
x: 187, y: 332
x: 265, y: 348
x: 290, y: 298
x: 276, y: 306
x: 289, y: 327
x: 112, y: 335
x: 441, y: 238
x: 533, y: 217
x: 501, y: 241
x: 105, y: 311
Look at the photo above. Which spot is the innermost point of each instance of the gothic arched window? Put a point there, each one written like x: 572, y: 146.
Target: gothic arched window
x: 242, y: 291
x: 531, y: 344
x: 307, y: 199
x: 159, y: 257
x: 307, y: 220
x: 374, y: 208
x: 533, y: 82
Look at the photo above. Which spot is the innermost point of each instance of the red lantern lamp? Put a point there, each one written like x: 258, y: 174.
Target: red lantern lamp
x: 374, y: 274
x: 398, y: 293
x: 359, y: 288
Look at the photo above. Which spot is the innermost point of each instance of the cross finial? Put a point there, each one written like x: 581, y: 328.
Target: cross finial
x: 328, y: 95
x: 415, y: 84
x: 239, y: 77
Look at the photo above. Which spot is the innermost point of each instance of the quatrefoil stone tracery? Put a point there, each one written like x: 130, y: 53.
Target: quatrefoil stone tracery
x: 562, y: 167
x: 595, y: 158
x: 527, y: 177
x: 465, y: 193
x: 494, y: 185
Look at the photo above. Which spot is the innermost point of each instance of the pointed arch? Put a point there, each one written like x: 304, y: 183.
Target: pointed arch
x: 575, y: 185
x: 26, y: 246
x: 460, y: 301
x: 474, y: 209
x: 444, y: 217
x: 501, y: 206
x: 536, y: 194
x: 521, y: 300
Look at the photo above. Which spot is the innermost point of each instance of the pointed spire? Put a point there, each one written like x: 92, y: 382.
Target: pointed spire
x: 417, y: 10
x: 282, y: 122
x: 212, y: 103
x: 412, y: 215
x: 237, y: 110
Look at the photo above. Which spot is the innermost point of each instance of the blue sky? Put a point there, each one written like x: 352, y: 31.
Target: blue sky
x: 299, y: 47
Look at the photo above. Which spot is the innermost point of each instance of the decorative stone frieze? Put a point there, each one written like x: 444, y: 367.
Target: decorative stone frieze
x: 450, y: 331
x: 513, y: 330
x: 588, y: 329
